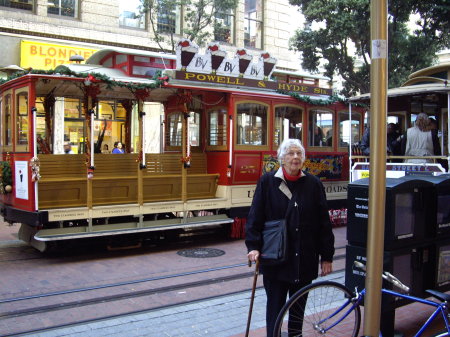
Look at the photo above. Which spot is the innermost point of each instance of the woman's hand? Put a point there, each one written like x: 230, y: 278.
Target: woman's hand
x: 253, y: 256
x: 326, y: 267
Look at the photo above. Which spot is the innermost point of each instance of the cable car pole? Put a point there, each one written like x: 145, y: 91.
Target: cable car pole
x: 377, y: 183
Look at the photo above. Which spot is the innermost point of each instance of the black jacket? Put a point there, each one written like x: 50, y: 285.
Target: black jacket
x: 310, y: 233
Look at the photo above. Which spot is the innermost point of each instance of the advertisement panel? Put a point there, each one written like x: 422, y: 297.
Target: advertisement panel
x: 41, y: 55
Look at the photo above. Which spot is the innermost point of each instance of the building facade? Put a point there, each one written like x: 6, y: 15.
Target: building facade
x: 44, y: 33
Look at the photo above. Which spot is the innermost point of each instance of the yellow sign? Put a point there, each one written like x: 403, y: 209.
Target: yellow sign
x: 40, y: 55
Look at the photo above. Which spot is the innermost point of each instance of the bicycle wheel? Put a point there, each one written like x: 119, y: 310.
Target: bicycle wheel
x: 319, y: 309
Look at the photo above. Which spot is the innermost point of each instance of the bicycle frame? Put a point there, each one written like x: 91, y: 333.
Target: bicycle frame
x: 441, y: 309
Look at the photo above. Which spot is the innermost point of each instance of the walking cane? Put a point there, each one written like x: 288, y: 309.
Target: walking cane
x: 252, y: 298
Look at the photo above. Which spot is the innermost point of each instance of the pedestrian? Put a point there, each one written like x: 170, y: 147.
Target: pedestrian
x: 118, y: 148
x: 310, y: 235
x: 420, y: 140
x: 68, y: 148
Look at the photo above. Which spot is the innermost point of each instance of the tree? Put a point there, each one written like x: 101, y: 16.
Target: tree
x: 341, y: 38
x: 199, y: 17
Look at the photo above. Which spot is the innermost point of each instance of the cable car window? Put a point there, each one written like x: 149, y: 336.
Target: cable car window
x: 174, y: 125
x: 217, y: 123
x: 194, y: 128
x: 22, y: 120
x: 320, y: 130
x: 251, y: 124
x: 74, y: 131
x: 8, y: 124
x: 121, y: 112
x: 288, y: 124
x: 345, y: 126
x: 105, y: 110
x: 72, y: 108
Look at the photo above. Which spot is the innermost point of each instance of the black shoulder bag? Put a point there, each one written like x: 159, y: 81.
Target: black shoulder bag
x: 274, y: 238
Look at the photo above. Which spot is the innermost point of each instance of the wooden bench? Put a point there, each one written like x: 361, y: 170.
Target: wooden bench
x: 115, y: 179
x: 63, y: 180
x: 200, y: 183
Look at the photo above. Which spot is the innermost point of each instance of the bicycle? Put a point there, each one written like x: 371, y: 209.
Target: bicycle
x: 328, y: 308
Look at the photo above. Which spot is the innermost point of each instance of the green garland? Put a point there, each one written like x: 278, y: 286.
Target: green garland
x: 307, y: 99
x: 6, y: 178
x: 65, y: 71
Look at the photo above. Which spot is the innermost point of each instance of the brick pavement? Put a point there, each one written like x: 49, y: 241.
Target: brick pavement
x: 221, y: 316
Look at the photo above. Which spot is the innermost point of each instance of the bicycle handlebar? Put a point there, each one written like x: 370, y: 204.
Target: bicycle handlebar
x: 386, y: 275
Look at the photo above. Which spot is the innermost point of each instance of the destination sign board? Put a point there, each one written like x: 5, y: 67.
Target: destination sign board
x: 251, y: 83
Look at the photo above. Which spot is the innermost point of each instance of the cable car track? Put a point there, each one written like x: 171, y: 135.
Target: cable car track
x: 126, y: 295
x: 112, y: 298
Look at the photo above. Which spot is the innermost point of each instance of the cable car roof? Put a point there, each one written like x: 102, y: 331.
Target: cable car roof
x: 408, y: 90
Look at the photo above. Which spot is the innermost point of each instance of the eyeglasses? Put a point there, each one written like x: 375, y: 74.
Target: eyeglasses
x: 292, y: 154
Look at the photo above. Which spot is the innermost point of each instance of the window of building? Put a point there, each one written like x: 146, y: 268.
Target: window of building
x: 22, y: 121
x: 130, y: 14
x: 253, y: 24
x: 251, y: 124
x: 224, y: 26
x: 288, y: 124
x: 67, y: 8
x: 349, y: 131
x: 320, y: 130
x: 169, y: 19
x: 217, y: 125
x: 21, y: 4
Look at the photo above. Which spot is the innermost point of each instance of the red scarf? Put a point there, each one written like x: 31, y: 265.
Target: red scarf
x: 290, y: 177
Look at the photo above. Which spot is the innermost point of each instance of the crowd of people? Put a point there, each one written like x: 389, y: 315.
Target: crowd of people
x: 419, y: 140
x: 118, y: 148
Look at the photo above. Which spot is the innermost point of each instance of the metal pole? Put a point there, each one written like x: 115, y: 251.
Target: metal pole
x: 377, y: 187
x: 448, y: 129
x: 350, y: 143
x: 36, y: 186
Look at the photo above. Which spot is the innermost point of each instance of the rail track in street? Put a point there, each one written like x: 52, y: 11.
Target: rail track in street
x: 37, y: 309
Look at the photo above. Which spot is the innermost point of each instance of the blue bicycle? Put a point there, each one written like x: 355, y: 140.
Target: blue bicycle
x: 328, y: 308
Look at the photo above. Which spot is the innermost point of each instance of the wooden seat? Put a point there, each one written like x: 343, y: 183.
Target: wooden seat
x: 63, y: 180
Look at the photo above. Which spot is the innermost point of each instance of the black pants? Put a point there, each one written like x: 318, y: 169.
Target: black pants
x: 276, y: 292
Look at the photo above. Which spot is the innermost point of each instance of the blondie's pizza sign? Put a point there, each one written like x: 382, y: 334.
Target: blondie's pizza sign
x: 214, y: 67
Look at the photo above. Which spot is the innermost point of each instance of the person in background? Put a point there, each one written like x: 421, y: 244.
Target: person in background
x: 393, y: 141
x: 105, y: 148
x: 319, y: 136
x: 365, y: 142
x: 310, y: 235
x: 394, y: 145
x: 419, y: 140
x: 68, y: 148
x: 118, y: 148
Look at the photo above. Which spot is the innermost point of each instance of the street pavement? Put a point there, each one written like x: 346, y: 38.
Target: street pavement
x: 223, y: 316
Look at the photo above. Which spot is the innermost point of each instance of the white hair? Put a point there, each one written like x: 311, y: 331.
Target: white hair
x: 284, y: 147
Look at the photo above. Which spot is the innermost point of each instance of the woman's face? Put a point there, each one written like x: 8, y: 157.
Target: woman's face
x: 119, y: 145
x: 292, y: 161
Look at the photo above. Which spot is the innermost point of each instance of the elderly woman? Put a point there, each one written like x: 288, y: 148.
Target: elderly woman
x: 309, y: 229
x: 420, y: 140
